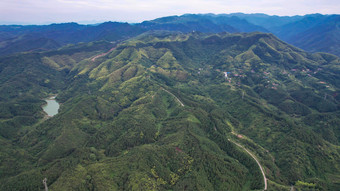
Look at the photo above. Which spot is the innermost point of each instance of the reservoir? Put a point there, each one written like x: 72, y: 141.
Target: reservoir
x: 52, y: 106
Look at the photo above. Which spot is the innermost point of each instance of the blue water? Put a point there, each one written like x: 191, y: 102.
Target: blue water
x: 52, y: 106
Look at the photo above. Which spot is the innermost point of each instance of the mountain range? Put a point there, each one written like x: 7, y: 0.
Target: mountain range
x: 171, y: 110
x: 314, y: 33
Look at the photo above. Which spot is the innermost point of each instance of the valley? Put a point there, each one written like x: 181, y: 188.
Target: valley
x: 158, y: 112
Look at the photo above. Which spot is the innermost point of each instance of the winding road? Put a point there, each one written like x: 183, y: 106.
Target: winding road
x: 174, y: 96
x: 103, y: 54
x: 258, y: 163
x: 239, y: 145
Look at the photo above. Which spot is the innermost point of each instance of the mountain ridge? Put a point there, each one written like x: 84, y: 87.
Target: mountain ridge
x: 118, y: 129
x: 307, y: 32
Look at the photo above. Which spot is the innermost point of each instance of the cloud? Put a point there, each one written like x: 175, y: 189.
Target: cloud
x: 139, y: 10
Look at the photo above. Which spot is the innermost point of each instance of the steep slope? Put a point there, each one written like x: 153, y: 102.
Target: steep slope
x: 156, y: 113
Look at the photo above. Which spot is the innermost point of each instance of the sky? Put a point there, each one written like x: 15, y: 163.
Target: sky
x: 133, y: 11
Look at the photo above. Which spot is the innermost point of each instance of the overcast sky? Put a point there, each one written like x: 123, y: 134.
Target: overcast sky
x: 92, y: 11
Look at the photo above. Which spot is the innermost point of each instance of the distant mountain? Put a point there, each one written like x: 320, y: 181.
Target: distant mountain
x: 267, y: 21
x: 72, y: 32
x: 201, y: 22
x: 48, y: 37
x: 291, y: 29
x: 16, y: 38
x: 29, y: 42
x: 315, y: 32
x: 172, y: 111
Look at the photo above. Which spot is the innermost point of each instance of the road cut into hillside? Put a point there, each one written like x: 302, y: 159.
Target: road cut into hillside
x: 258, y: 163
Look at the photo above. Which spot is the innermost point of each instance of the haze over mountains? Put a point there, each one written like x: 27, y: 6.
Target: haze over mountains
x: 192, y: 102
x: 315, y: 33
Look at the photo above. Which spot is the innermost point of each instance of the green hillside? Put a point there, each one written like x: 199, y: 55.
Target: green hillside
x: 166, y: 111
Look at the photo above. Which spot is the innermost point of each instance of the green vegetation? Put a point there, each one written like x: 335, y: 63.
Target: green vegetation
x: 121, y: 126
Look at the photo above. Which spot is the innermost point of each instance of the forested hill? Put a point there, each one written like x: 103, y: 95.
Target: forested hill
x: 315, y: 32
x: 163, y: 111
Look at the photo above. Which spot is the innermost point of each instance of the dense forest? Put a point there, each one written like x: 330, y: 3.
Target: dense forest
x: 167, y: 111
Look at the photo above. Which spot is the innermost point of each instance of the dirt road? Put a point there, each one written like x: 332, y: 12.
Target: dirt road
x: 174, y: 96
x: 258, y: 163
x: 103, y: 54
